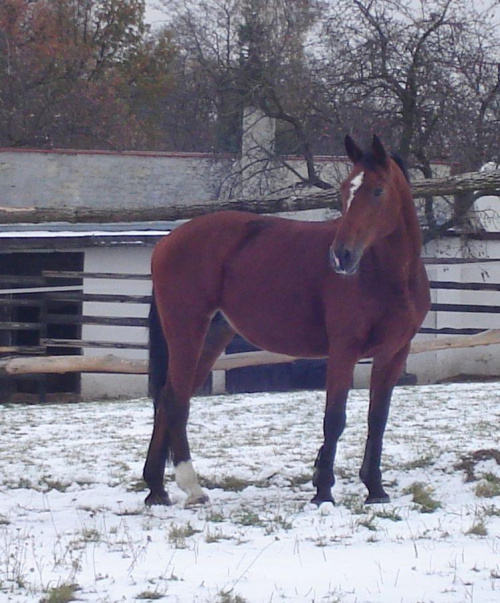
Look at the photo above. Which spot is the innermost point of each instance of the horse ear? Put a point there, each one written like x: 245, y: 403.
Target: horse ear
x: 378, y: 150
x: 353, y: 151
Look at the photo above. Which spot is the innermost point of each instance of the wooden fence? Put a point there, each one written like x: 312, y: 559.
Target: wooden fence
x: 41, y: 321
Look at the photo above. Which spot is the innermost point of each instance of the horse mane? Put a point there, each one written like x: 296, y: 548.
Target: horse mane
x: 401, y: 164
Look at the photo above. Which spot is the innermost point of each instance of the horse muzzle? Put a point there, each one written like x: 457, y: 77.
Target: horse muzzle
x: 345, y: 260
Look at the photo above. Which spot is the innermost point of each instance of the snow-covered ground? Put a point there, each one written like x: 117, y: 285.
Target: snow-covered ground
x: 72, y: 518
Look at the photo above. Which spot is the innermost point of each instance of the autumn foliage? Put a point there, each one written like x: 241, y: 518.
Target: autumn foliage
x: 79, y: 73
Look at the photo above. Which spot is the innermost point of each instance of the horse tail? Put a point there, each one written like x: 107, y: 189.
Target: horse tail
x: 158, y: 354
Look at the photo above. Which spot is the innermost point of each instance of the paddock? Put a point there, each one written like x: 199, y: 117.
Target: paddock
x: 72, y: 515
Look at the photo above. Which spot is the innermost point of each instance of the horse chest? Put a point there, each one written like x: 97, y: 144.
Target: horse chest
x: 372, y: 316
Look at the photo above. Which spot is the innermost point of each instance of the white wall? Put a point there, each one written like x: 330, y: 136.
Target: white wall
x: 483, y: 268
x: 31, y: 178
x: 429, y: 367
x: 133, y: 259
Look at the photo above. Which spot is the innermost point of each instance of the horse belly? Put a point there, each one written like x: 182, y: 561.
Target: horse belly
x: 279, y: 322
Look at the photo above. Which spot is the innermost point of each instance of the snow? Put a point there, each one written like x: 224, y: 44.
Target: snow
x: 72, y: 512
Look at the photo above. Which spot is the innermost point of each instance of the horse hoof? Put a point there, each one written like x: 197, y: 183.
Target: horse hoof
x: 195, y: 500
x: 378, y: 500
x: 318, y: 500
x: 158, y: 498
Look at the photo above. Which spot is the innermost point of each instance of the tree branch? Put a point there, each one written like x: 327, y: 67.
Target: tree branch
x: 481, y: 182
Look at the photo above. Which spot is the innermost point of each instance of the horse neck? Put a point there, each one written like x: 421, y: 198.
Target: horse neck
x: 398, y: 253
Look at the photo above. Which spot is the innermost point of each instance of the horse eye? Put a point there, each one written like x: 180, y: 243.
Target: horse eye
x: 378, y: 192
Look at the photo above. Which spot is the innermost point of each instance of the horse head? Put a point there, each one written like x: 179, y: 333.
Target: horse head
x: 371, y: 201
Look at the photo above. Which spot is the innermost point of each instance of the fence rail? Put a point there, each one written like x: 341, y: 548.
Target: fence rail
x: 40, y: 294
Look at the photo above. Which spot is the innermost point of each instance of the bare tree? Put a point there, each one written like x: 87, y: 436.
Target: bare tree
x: 422, y: 74
x: 251, y: 53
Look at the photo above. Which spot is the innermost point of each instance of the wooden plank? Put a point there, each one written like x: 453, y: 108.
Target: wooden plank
x: 78, y: 343
x: 21, y: 279
x: 464, y: 286
x: 474, y: 308
x: 110, y: 363
x: 449, y: 331
x: 21, y: 302
x: 100, y: 298
x: 40, y: 289
x: 119, y: 321
x: 20, y: 349
x: 19, y: 326
x: 97, y: 275
x: 457, y: 261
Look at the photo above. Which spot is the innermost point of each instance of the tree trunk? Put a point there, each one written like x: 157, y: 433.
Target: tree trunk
x: 487, y: 182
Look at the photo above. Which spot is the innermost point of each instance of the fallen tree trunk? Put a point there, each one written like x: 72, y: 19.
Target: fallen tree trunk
x: 483, y: 182
x: 110, y: 363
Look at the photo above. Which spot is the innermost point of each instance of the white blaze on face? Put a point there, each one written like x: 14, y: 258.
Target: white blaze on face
x: 356, y: 182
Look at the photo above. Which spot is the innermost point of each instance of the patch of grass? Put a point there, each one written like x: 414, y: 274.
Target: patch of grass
x: 228, y: 483
x: 478, y: 529
x: 424, y: 461
x: 391, y: 514
x: 469, y: 462
x: 93, y: 510
x: 150, y: 595
x: 23, y: 484
x: 91, y: 535
x: 249, y: 518
x: 64, y: 593
x: 488, y: 486
x: 215, y: 517
x: 129, y: 512
x: 368, y: 522
x: 178, y: 534
x: 491, y: 511
x: 54, y: 484
x: 137, y: 486
x: 422, y: 496
x: 302, y: 479
x: 227, y: 596
x: 355, y: 504
x: 278, y: 522
x: 213, y: 536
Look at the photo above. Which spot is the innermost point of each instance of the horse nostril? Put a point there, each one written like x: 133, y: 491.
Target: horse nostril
x: 342, y: 256
x: 343, y: 259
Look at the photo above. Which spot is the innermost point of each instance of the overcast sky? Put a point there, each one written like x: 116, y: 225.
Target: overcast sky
x: 156, y: 16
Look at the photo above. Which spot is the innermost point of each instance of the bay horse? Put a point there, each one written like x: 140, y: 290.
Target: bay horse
x: 344, y: 289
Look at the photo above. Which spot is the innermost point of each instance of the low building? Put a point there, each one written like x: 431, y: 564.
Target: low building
x: 105, y: 314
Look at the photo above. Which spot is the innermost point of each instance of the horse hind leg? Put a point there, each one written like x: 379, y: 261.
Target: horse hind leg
x: 219, y: 335
x: 169, y: 439
x: 190, y: 361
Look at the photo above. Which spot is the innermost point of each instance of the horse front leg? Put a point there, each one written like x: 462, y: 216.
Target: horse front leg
x: 339, y: 379
x: 385, y: 374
